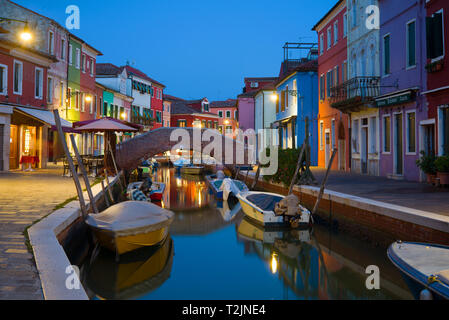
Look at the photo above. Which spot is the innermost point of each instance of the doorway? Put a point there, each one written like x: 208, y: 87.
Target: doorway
x: 398, y: 144
x: 364, y: 150
x: 13, y: 148
x: 327, y: 150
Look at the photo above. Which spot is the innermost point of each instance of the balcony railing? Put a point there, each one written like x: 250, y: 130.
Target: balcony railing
x: 358, y: 88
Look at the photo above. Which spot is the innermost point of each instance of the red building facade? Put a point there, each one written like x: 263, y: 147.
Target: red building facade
x: 437, y: 126
x: 333, y: 131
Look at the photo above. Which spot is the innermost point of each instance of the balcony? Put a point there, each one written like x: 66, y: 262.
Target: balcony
x: 351, y: 95
x: 141, y: 120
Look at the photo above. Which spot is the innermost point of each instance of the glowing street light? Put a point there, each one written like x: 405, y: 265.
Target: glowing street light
x: 25, y: 35
x: 88, y: 98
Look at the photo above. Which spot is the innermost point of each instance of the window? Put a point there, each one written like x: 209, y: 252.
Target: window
x: 18, y: 75
x: 355, y: 136
x: 70, y: 54
x: 206, y: 107
x: 63, y: 49
x: 83, y: 64
x: 49, y: 90
x: 386, y: 55
x: 335, y: 32
x: 228, y: 114
x: 373, y: 135
x: 105, y: 109
x: 228, y: 129
x: 78, y: 58
x: 411, y: 132
x: 329, y: 83
x: 182, y: 123
x: 220, y: 114
x: 321, y: 43
x: 345, y: 25
x: 83, y: 101
x: 77, y: 100
x: 411, y: 44
x: 61, y: 100
x: 93, y: 105
x: 69, y: 98
x: 51, y: 43
x: 92, y: 67
x: 322, y: 88
x: 254, y: 84
x: 3, y: 79
x: 287, y: 97
x: 387, y: 134
x: 329, y: 38
x: 236, y: 114
x: 38, y: 83
x: 443, y: 130
x: 354, y: 14
x: 321, y: 135
x: 435, y: 34
x: 334, y: 142
x: 158, y: 117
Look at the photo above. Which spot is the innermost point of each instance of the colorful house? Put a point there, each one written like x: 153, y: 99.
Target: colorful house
x: 264, y: 115
x: 435, y: 130
x: 333, y: 129
x: 402, y: 107
x: 166, y: 112
x: 356, y: 96
x: 157, y: 104
x: 228, y: 116
x: 192, y: 113
x: 24, y: 118
x: 297, y: 93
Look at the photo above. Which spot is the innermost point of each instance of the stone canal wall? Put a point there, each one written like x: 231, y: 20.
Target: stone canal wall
x: 377, y: 222
x: 63, y: 229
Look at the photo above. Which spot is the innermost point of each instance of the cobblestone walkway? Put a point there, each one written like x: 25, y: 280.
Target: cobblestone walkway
x: 25, y: 198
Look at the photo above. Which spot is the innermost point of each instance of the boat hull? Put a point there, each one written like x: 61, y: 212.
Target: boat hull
x: 192, y: 170
x: 416, y: 280
x: 124, y: 244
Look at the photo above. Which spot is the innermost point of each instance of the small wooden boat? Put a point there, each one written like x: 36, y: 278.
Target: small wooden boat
x: 181, y: 162
x: 425, y: 268
x: 215, y: 186
x: 130, y: 225
x: 155, y: 193
x: 136, y: 273
x: 260, y: 206
x: 192, y: 170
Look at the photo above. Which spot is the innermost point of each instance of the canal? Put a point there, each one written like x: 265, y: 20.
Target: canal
x: 215, y: 253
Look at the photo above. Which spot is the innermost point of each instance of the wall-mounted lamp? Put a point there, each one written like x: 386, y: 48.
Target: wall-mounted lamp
x: 25, y: 35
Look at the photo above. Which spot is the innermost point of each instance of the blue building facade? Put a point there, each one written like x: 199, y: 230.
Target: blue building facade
x: 297, y: 94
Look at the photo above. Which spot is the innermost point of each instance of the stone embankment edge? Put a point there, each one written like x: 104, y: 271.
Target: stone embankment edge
x: 50, y: 257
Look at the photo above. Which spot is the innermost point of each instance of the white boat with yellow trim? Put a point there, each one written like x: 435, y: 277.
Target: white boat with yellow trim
x: 130, y: 225
x: 260, y: 207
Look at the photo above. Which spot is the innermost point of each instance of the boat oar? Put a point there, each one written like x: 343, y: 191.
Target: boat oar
x: 323, y: 184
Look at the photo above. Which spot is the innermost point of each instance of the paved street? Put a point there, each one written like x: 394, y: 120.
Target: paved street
x: 419, y: 196
x: 25, y: 198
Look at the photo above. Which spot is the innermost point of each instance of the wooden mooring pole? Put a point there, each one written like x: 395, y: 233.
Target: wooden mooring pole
x: 323, y: 184
x: 79, y: 190
x: 93, y: 205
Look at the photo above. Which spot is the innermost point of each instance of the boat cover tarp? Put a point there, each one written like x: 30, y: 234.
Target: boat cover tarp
x: 443, y: 276
x: 131, y: 217
x: 228, y: 186
x: 264, y: 201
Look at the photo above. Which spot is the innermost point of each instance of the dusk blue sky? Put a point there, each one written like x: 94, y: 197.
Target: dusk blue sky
x: 196, y: 48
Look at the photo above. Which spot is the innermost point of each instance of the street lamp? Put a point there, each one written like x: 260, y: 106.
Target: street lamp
x: 25, y: 35
x: 88, y: 98
x: 274, y: 97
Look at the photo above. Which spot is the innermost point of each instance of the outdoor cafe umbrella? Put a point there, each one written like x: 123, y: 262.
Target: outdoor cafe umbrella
x: 109, y: 126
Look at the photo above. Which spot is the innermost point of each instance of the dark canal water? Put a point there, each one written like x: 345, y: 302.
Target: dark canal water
x: 212, y: 254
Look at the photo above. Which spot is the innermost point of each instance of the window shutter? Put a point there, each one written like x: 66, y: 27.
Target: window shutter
x: 438, y: 35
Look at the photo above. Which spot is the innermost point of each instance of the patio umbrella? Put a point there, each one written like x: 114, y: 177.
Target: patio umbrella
x: 109, y: 126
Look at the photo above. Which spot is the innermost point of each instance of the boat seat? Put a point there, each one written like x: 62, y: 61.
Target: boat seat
x: 264, y: 201
x: 443, y: 276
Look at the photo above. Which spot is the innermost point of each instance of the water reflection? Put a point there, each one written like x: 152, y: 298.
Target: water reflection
x: 183, y: 192
x: 308, y: 269
x: 220, y: 255
x: 137, y: 273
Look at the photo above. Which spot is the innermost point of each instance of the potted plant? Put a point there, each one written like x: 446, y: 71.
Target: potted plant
x: 442, y: 166
x: 427, y: 165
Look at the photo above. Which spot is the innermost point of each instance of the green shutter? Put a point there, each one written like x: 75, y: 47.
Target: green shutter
x: 411, y: 44
x: 387, y: 55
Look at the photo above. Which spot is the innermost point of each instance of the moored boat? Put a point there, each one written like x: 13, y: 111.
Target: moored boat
x: 181, y: 162
x: 260, y: 207
x: 215, y: 184
x: 425, y: 268
x: 191, y: 169
x: 130, y: 225
x: 155, y: 190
